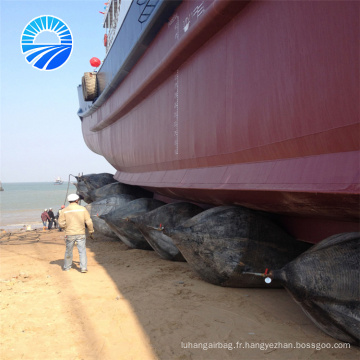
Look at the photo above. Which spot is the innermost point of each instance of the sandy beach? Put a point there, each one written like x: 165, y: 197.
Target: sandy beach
x: 134, y: 305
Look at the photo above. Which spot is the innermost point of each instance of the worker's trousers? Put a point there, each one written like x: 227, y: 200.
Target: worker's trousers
x: 81, y: 245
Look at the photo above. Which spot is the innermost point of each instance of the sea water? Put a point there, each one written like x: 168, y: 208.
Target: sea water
x: 21, y: 204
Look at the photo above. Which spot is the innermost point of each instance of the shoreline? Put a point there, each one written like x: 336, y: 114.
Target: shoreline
x: 19, y: 227
x: 22, y: 203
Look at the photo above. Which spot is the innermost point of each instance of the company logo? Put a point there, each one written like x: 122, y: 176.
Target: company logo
x: 46, y: 42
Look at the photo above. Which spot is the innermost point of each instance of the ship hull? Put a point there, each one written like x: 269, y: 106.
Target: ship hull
x: 246, y: 103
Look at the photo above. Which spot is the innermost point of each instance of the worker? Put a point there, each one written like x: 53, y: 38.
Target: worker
x: 45, y: 217
x: 58, y: 215
x: 52, y: 219
x: 73, y: 219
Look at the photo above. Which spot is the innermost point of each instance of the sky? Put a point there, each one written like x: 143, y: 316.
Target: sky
x: 41, y: 136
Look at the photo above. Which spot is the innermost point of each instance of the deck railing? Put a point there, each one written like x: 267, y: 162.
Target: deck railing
x: 111, y: 17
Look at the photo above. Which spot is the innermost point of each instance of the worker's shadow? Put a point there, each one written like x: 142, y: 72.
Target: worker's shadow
x: 60, y: 262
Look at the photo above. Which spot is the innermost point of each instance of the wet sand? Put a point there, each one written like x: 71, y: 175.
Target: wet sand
x: 134, y: 305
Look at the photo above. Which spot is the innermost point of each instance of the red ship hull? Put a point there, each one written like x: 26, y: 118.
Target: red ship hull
x: 247, y: 103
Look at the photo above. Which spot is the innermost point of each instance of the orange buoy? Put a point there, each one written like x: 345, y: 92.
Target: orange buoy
x: 105, y: 40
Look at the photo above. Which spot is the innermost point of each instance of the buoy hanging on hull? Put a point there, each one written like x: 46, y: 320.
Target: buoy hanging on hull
x: 95, y: 62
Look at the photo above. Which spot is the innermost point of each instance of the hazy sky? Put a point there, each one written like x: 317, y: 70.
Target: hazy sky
x: 40, y: 132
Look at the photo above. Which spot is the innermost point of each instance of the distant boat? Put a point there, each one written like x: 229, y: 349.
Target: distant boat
x: 1, y: 188
x: 58, y: 181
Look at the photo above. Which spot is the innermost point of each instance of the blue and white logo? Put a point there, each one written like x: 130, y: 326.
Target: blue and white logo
x: 39, y: 51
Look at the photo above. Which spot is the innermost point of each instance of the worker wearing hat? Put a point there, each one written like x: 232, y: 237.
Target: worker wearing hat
x: 73, y: 219
x: 45, y: 217
x: 52, y: 219
x: 58, y: 215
